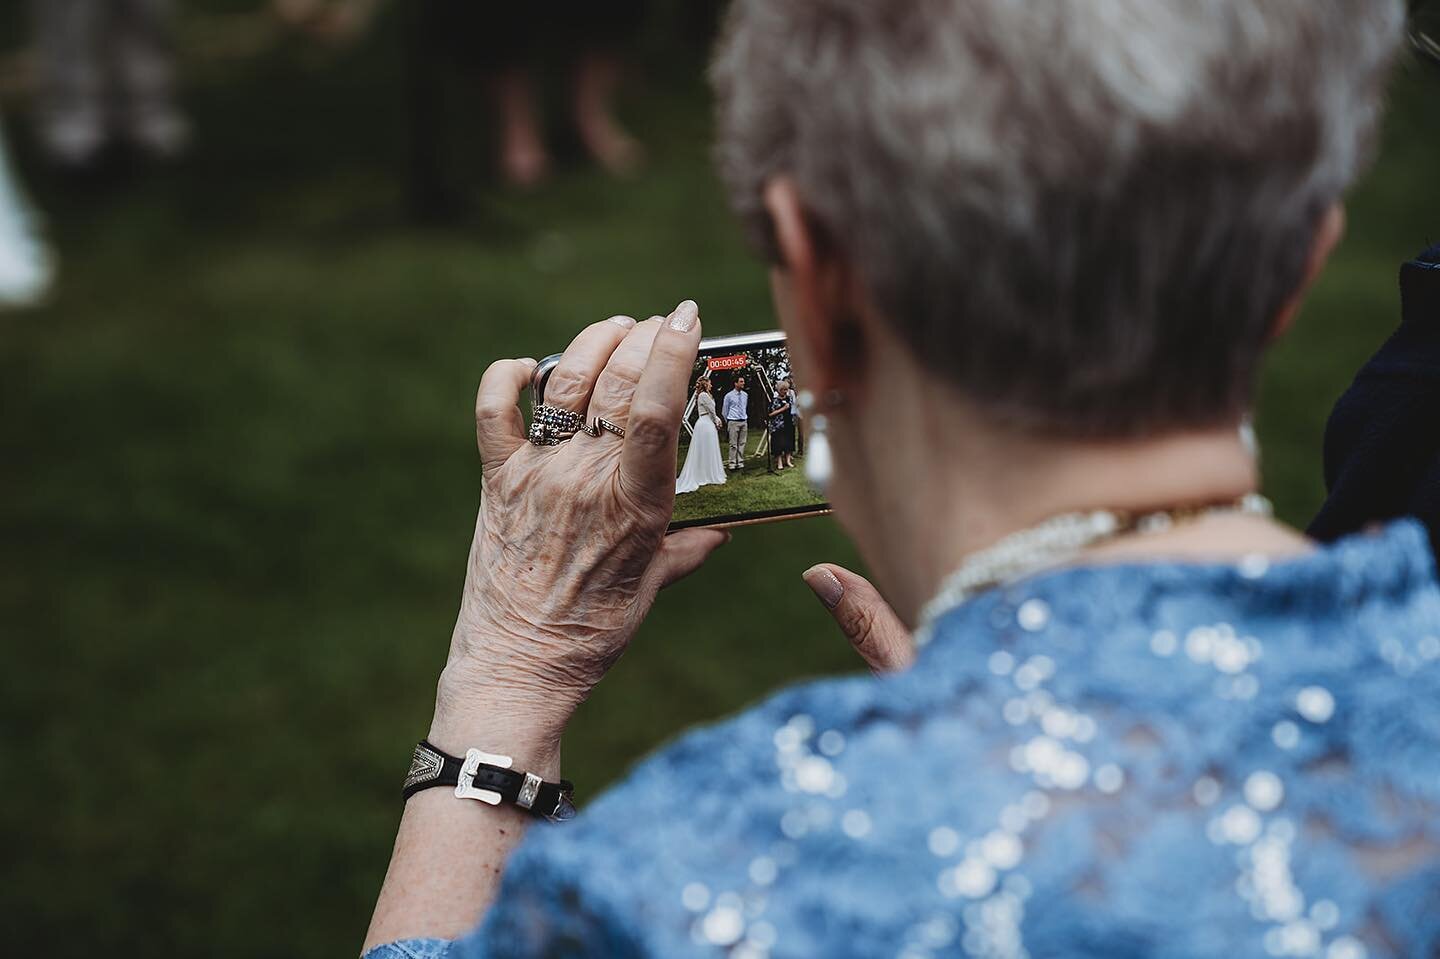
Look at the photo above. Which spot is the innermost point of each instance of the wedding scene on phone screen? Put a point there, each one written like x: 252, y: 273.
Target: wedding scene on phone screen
x: 743, y: 444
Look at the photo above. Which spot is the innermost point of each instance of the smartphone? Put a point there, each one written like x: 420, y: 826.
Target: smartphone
x: 742, y: 442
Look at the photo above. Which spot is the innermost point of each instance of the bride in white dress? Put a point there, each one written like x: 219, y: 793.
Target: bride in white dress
x: 703, y: 465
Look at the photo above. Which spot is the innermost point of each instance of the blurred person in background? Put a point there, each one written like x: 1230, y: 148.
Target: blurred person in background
x: 601, y: 29
x: 26, y: 267
x: 515, y: 47
x: 1382, y: 447
x: 1143, y: 718
x: 511, y: 49
x: 107, y: 76
x: 520, y: 45
x: 1382, y: 442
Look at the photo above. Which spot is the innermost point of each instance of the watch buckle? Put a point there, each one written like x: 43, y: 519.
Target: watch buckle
x: 465, y: 782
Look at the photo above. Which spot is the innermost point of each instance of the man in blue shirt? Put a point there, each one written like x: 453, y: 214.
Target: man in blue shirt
x: 736, y: 411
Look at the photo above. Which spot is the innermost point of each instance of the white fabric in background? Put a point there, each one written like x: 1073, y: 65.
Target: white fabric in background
x: 703, y: 464
x: 25, y: 265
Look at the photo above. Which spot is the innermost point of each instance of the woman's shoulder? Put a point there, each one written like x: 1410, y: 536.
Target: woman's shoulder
x: 1208, y: 645
x: 1252, y: 692
x: 1354, y: 593
x: 1194, y: 716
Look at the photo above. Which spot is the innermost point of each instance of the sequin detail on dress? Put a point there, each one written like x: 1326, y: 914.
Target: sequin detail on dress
x: 1195, y: 762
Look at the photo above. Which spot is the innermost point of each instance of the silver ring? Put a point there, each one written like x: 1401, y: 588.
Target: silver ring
x: 551, y: 425
x: 602, y: 425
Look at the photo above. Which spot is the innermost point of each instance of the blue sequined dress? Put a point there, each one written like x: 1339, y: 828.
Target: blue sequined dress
x: 1133, y: 760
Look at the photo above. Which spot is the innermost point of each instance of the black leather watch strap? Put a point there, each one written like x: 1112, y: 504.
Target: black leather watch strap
x: 488, y: 778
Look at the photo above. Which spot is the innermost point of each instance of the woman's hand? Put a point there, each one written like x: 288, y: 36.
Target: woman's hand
x: 570, y: 546
x: 864, y: 617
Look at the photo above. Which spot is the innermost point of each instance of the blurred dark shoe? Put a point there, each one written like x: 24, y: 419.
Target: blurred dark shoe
x: 74, y: 139
x: 160, y: 134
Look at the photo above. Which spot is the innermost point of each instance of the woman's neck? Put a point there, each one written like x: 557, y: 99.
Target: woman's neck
x: 956, y: 486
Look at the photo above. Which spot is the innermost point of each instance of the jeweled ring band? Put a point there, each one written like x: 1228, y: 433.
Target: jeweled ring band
x: 602, y: 424
x: 551, y: 425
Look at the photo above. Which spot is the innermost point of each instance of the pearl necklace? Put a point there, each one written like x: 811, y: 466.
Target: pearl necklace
x: 1058, y: 540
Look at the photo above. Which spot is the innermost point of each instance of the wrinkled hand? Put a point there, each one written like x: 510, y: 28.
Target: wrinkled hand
x: 570, y: 546
x: 864, y: 617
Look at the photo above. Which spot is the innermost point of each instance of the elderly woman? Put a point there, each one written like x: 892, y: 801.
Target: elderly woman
x: 1143, y: 717
x: 782, y: 426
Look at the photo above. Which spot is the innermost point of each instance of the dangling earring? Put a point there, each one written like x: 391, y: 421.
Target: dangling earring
x: 1248, y: 439
x: 819, y: 466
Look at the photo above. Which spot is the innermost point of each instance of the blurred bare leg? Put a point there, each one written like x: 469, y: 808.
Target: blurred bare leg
x: 144, y: 57
x: 523, y: 158
x: 298, y: 13
x: 71, y: 104
x: 596, y: 82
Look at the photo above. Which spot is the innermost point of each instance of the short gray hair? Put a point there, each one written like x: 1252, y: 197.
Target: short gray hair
x: 1085, y: 213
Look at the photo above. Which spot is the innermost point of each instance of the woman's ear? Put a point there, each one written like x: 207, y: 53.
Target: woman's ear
x: 811, y: 287
x: 1327, y: 238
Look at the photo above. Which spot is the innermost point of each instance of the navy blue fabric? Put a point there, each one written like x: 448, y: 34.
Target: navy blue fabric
x: 1382, y: 444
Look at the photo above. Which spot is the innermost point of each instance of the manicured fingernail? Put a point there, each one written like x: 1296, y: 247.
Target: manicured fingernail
x: 625, y: 322
x: 827, y: 588
x: 684, y: 317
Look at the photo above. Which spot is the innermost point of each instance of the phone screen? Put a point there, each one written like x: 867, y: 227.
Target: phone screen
x: 742, y: 441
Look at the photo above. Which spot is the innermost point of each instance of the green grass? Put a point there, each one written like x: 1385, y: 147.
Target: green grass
x: 751, y: 490
x: 237, y: 484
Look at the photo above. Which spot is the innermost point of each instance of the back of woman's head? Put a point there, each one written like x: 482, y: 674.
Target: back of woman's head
x: 1085, y: 215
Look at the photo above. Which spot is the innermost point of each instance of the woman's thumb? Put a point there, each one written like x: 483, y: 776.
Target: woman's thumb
x: 863, y: 616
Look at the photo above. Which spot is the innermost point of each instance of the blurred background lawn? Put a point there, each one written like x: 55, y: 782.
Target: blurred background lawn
x: 238, y: 480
